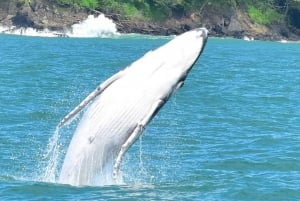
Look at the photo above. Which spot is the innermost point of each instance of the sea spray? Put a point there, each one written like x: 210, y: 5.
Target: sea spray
x: 92, y: 27
x: 142, y: 170
x: 54, y: 153
x: 3, y: 28
x: 134, y: 171
x: 51, y: 156
x: 28, y: 31
x: 99, y: 26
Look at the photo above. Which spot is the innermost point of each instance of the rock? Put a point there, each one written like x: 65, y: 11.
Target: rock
x: 22, y: 20
x: 234, y: 25
x: 39, y: 14
x: 227, y: 21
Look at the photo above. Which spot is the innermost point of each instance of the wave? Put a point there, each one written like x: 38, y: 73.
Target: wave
x: 288, y: 41
x: 93, y: 27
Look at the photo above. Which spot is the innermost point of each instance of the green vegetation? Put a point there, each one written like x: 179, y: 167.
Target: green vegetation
x: 264, y: 15
x: 93, y: 4
x: 262, y: 12
x: 22, y: 2
x: 146, y: 9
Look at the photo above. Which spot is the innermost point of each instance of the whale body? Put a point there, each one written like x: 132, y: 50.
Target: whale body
x: 119, y: 109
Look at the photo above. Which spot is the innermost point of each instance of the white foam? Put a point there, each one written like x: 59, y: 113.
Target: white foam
x: 288, y: 41
x: 3, y: 28
x: 283, y: 41
x: 246, y: 38
x: 100, y: 26
x: 92, y: 27
x: 32, y: 32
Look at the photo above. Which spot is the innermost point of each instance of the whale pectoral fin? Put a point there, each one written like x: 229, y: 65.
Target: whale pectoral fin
x: 134, y: 136
x: 90, y: 97
x: 179, y: 85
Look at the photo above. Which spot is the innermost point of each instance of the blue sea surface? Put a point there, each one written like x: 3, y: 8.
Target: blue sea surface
x: 232, y: 132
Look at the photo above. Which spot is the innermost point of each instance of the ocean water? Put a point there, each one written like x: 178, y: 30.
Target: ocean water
x: 231, y: 133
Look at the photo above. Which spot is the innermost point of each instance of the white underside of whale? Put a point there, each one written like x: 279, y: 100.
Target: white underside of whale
x: 122, y: 106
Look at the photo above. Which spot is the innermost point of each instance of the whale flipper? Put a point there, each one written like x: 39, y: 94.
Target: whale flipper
x: 90, y: 97
x: 135, y: 134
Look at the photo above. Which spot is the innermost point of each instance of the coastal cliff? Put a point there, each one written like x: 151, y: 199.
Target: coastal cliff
x: 222, y: 20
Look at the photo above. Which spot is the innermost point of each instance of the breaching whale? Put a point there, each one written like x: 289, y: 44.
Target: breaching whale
x: 119, y: 109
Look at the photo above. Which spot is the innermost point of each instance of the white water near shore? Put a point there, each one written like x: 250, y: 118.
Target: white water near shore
x: 92, y: 27
x: 100, y: 26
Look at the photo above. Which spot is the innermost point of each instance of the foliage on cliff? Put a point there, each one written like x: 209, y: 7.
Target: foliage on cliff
x: 267, y: 20
x: 261, y: 12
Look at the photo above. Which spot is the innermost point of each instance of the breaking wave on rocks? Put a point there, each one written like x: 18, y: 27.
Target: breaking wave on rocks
x: 92, y: 27
x: 100, y: 26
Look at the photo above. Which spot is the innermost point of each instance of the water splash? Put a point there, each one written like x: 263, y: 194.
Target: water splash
x: 142, y: 170
x: 92, y: 27
x: 3, y: 29
x: 28, y: 31
x: 52, y: 155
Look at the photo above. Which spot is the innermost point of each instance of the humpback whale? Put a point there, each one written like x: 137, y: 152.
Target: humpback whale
x: 119, y: 109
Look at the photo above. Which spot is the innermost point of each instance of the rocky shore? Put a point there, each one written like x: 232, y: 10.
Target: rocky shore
x: 220, y: 23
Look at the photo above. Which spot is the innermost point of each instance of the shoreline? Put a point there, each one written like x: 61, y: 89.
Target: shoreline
x: 49, y: 33
x: 42, y: 16
x: 41, y: 33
